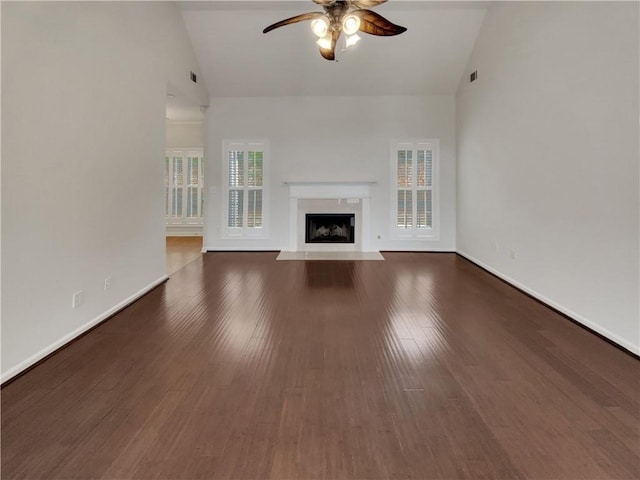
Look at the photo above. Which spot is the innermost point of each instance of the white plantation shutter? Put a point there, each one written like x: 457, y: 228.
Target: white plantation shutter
x: 177, y: 183
x: 167, y: 177
x: 255, y: 187
x: 236, y: 208
x: 404, y: 180
x: 184, y: 185
x: 194, y: 187
x: 424, y: 186
x: 414, y: 168
x: 245, y: 174
x: 236, y: 188
x: 405, y: 207
x: 425, y: 209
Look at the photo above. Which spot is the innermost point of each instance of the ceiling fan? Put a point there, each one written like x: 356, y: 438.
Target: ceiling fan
x: 348, y: 16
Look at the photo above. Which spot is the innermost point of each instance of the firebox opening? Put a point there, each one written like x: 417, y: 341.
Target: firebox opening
x: 330, y: 228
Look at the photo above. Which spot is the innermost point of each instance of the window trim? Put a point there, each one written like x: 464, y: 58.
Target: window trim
x: 245, y: 231
x: 414, y: 233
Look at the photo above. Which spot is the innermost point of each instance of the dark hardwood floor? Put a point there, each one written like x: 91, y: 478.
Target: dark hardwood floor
x: 241, y: 367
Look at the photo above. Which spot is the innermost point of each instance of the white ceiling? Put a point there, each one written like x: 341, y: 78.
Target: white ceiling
x: 238, y: 60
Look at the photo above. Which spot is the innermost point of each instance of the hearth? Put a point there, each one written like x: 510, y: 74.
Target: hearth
x: 329, y: 228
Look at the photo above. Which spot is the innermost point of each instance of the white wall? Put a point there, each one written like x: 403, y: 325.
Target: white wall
x: 84, y: 93
x: 185, y: 134
x: 330, y: 139
x: 548, y: 157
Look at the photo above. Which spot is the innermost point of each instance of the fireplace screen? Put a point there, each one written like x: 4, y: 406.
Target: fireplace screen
x: 330, y: 228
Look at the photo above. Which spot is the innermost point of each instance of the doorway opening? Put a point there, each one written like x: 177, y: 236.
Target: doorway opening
x: 184, y: 181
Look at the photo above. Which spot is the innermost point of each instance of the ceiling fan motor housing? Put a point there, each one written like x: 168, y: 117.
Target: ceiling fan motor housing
x: 336, y: 12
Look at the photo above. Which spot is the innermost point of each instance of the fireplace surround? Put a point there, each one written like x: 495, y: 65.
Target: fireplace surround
x: 329, y: 198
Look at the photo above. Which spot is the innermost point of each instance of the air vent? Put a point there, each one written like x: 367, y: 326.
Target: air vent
x: 194, y: 79
x: 473, y: 76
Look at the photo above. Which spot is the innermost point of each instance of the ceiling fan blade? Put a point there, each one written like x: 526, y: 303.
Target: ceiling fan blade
x: 296, y: 19
x: 330, y: 53
x: 327, y: 2
x: 374, y: 24
x: 367, y: 3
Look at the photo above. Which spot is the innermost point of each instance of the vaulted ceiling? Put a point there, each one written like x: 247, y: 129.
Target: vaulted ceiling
x: 238, y: 60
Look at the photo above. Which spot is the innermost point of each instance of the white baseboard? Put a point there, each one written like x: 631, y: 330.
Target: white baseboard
x: 287, y: 249
x: 239, y: 248
x: 635, y: 349
x: 33, y: 359
x: 418, y: 250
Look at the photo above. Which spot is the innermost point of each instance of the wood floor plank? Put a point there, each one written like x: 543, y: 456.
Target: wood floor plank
x: 242, y: 367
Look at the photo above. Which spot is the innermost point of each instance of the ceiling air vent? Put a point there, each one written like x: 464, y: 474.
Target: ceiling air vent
x: 473, y: 76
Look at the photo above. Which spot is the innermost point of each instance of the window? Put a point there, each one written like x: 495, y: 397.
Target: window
x: 244, y: 164
x: 183, y: 186
x: 414, y: 176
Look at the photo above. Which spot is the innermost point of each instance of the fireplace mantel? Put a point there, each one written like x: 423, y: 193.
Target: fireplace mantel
x: 323, y: 190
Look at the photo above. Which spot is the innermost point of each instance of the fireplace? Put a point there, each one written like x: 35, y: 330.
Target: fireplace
x: 329, y: 228
x: 321, y: 197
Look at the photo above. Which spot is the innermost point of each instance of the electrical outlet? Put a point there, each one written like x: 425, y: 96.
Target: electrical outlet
x: 77, y: 299
x: 107, y: 283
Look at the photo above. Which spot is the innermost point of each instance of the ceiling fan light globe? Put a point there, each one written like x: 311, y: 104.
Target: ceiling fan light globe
x: 325, y: 42
x: 352, y: 40
x: 350, y: 24
x: 320, y: 27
